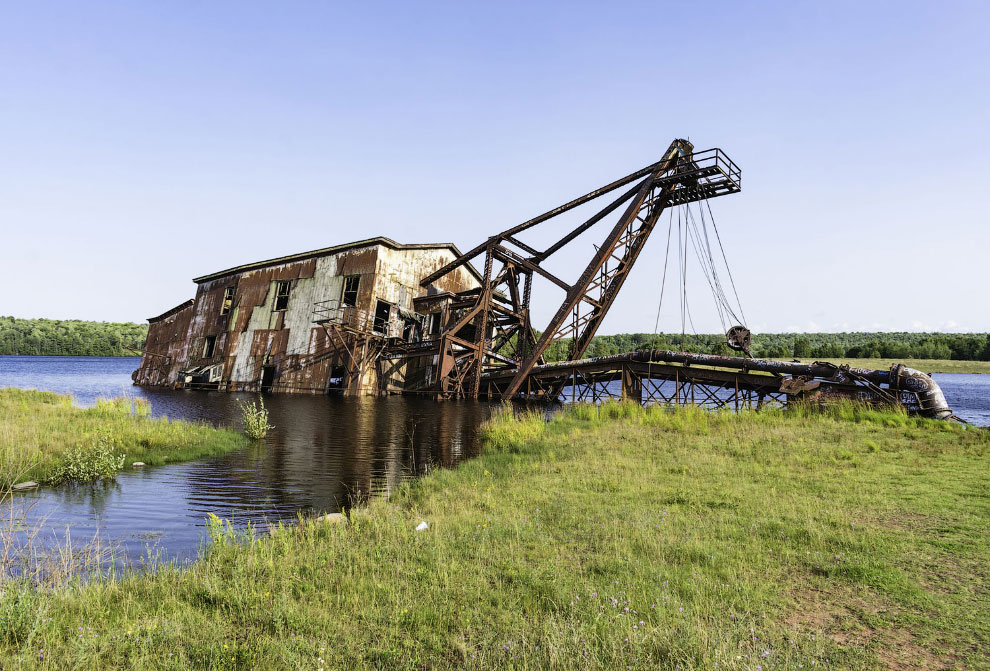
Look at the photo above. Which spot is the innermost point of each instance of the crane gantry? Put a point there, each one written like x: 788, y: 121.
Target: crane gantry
x: 488, y: 330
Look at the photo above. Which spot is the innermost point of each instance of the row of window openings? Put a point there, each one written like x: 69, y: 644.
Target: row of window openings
x: 383, y: 310
x: 348, y: 296
x: 383, y: 314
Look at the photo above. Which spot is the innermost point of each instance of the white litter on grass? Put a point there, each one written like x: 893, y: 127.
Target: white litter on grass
x: 422, y: 526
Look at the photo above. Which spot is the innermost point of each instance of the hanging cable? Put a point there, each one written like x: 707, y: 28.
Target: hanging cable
x: 663, y: 281
x: 709, y: 267
x: 709, y: 273
x: 726, y: 261
x: 682, y: 257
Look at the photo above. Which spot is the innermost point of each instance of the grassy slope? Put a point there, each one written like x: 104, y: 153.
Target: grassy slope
x: 654, y: 540
x: 924, y: 365
x: 37, y: 429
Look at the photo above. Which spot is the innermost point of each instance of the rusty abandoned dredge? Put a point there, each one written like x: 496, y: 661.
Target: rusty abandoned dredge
x: 378, y: 317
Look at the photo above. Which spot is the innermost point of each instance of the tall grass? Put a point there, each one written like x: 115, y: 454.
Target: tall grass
x: 611, y: 537
x: 41, y: 433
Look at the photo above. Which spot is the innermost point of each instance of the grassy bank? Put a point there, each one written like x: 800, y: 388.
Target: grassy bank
x: 40, y: 431
x: 924, y: 365
x: 613, y: 539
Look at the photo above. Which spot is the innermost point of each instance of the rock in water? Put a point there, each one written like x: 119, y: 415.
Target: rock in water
x: 137, y: 464
x: 23, y: 486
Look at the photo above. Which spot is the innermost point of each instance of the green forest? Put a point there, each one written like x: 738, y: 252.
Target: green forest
x: 83, y: 338
x: 894, y: 345
x: 69, y: 337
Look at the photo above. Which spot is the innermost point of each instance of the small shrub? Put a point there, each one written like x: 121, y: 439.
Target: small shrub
x: 100, y: 461
x: 255, y: 418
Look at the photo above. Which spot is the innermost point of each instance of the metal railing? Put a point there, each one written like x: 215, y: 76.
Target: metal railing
x: 334, y: 312
x: 704, y: 174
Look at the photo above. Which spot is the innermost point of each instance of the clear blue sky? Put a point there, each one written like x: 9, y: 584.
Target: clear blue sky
x: 145, y: 143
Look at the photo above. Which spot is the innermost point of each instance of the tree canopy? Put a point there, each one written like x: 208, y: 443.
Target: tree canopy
x: 69, y: 337
x: 85, y: 338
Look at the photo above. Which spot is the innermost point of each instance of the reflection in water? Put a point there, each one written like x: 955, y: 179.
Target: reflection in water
x: 322, y: 455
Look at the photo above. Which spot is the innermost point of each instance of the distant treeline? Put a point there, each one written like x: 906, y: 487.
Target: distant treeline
x: 81, y: 338
x: 896, y: 345
x: 69, y: 337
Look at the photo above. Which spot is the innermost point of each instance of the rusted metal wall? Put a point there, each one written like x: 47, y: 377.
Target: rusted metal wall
x: 253, y: 335
x: 165, y: 347
x: 398, y: 278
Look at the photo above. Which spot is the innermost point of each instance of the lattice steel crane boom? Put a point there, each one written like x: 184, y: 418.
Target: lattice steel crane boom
x: 488, y: 330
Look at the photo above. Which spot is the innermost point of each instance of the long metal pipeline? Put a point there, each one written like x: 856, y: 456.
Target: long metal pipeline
x: 900, y: 378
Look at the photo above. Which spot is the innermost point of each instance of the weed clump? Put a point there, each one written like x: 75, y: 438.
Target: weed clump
x: 255, y: 417
x: 87, y: 463
x: 506, y: 430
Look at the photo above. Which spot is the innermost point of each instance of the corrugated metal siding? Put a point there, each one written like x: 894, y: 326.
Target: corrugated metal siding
x: 253, y: 334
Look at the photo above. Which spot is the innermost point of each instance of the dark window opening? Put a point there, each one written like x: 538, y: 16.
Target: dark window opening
x: 350, y: 293
x: 209, y: 346
x: 228, y: 300
x: 281, y: 295
x: 267, y: 378
x: 383, y: 311
x: 337, y: 379
x: 413, y: 327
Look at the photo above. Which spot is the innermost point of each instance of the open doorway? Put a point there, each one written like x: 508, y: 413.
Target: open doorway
x: 267, y: 378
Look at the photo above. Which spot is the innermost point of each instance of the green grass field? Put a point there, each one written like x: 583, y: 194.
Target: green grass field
x: 612, y: 538
x: 39, y: 429
x: 924, y: 365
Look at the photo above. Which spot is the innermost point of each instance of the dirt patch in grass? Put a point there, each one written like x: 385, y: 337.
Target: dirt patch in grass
x: 852, y: 621
x: 899, y: 520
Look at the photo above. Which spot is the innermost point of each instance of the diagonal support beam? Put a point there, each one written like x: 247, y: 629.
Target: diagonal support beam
x: 623, y: 233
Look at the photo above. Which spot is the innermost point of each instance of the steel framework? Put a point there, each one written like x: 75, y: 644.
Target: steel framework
x: 488, y: 333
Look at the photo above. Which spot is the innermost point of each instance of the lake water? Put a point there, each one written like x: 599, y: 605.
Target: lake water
x: 325, y: 453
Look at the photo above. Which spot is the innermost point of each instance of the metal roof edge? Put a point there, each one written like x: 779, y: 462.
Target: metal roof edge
x: 326, y: 251
x: 169, y: 313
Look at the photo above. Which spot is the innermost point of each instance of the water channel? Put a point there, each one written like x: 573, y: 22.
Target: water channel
x: 324, y: 453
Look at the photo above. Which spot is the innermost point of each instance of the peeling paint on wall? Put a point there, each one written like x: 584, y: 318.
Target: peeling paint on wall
x: 292, y: 349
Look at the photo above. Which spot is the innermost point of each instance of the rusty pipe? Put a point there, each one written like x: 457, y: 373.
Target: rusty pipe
x: 817, y: 369
x: 931, y: 400
x: 930, y: 397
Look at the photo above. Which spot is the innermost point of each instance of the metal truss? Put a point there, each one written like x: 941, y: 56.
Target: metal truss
x: 488, y: 330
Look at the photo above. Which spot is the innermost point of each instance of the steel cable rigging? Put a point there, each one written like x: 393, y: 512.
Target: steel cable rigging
x: 693, y: 234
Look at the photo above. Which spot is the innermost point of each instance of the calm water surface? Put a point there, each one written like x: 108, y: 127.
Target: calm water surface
x: 324, y: 453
